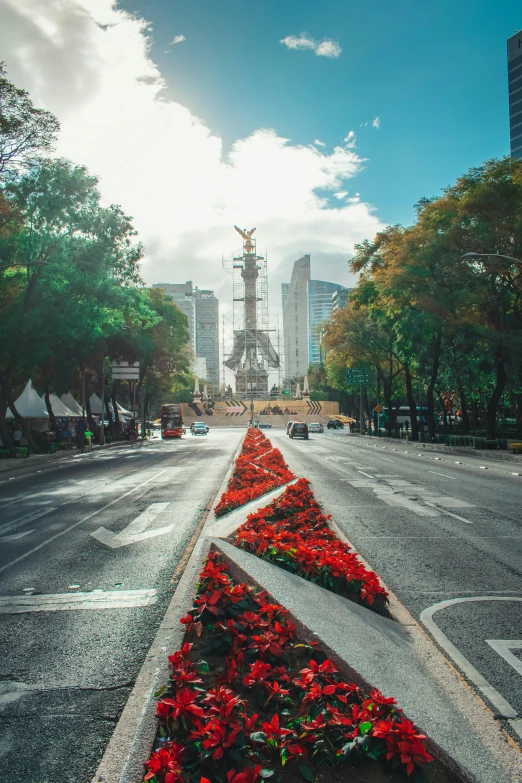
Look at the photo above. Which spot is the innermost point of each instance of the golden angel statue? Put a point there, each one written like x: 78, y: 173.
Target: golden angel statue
x: 247, y: 236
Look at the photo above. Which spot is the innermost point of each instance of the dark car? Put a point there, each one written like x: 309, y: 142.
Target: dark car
x: 298, y: 430
x: 335, y: 424
x: 289, y: 425
x: 264, y: 425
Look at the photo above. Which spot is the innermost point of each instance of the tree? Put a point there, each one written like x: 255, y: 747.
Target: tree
x: 25, y: 131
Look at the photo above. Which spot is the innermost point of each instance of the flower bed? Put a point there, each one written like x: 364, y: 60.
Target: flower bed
x: 258, y: 469
x: 265, y: 705
x: 293, y: 533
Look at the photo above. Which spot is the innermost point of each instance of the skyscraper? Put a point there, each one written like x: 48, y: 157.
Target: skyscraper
x: 183, y: 295
x: 202, y: 310
x: 514, y: 56
x: 320, y: 304
x: 284, y: 294
x: 295, y: 320
x: 207, y: 332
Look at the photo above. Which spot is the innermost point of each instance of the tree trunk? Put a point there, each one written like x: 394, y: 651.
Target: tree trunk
x: 88, y: 411
x: 23, y: 426
x: 464, y: 409
x: 431, y: 387
x: 443, y: 407
x: 52, y: 417
x: 411, y: 402
x: 494, y: 400
x: 4, y: 429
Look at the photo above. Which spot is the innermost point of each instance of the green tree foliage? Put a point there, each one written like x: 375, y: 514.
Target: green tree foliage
x: 447, y: 324
x: 25, y: 131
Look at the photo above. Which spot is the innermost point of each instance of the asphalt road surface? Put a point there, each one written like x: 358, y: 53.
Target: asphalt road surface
x: 87, y: 554
x: 434, y: 530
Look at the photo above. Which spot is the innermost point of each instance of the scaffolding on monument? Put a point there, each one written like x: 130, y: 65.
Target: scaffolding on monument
x: 248, y: 352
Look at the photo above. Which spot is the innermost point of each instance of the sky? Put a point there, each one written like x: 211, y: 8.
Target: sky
x: 318, y: 123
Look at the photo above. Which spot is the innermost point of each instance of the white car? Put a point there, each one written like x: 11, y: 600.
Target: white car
x: 315, y: 427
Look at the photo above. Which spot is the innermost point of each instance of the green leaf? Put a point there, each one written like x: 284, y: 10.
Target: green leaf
x: 202, y: 667
x: 306, y: 772
x: 365, y: 727
x: 258, y: 736
x: 160, y: 692
x: 266, y: 773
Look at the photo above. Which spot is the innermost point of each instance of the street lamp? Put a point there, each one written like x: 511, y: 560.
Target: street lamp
x: 471, y: 256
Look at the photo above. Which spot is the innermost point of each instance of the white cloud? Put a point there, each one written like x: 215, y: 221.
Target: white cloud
x: 350, y: 140
x: 319, y: 143
x: 177, y: 39
x: 89, y: 62
x: 324, y: 48
x: 376, y: 123
x: 341, y: 194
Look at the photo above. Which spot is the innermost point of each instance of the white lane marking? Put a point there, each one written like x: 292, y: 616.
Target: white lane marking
x: 135, y: 530
x: 365, y: 474
x: 503, y: 647
x: 14, y: 523
x: 386, y: 459
x: 426, y: 617
x: 16, y: 536
x: 449, y: 513
x: 111, y: 599
x: 443, y: 474
x: 76, y: 524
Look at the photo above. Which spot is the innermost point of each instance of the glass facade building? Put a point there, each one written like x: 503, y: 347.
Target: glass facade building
x: 514, y: 56
x: 207, y: 332
x: 320, y: 305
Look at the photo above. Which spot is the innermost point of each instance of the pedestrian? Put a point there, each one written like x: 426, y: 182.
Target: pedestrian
x: 88, y: 438
x: 407, y: 425
x: 17, y: 437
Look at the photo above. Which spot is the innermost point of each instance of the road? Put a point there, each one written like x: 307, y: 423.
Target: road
x: 435, y: 528
x: 79, y: 612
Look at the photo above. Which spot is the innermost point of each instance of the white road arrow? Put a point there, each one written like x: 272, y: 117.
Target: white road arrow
x: 135, y: 531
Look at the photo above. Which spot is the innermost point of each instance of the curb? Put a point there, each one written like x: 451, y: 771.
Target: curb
x: 440, y: 447
x: 133, y: 737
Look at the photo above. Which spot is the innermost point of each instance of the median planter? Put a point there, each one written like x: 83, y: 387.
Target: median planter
x: 293, y: 533
x: 248, y: 700
x: 258, y: 469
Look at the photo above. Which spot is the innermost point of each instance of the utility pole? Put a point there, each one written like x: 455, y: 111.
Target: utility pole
x: 251, y: 391
x: 360, y: 409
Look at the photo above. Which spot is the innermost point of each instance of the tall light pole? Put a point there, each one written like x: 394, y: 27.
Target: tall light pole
x: 471, y: 256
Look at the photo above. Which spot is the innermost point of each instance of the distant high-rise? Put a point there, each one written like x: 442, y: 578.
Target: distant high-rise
x: 320, y: 305
x: 307, y: 305
x: 514, y: 55
x: 295, y: 320
x: 340, y: 298
x: 183, y: 295
x: 207, y: 332
x: 202, y: 310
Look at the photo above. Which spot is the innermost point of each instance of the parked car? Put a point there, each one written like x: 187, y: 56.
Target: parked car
x: 335, y: 424
x: 264, y: 425
x: 288, y: 426
x: 315, y: 427
x: 298, y: 430
x: 199, y: 428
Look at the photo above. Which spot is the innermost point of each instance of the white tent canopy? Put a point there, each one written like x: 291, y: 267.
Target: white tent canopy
x: 59, y: 409
x: 96, y: 407
x: 29, y: 405
x: 69, y: 401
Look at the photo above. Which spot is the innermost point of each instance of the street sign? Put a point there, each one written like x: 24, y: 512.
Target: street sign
x: 378, y: 409
x: 358, y: 375
x: 286, y: 391
x: 123, y: 371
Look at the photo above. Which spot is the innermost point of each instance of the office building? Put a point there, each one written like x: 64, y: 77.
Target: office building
x: 340, y: 298
x: 207, y: 332
x: 320, y: 294
x: 295, y: 320
x: 202, y: 310
x: 183, y: 295
x: 284, y: 294
x: 514, y: 56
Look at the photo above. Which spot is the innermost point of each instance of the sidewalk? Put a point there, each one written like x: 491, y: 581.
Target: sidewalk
x: 463, y: 451
x: 20, y: 466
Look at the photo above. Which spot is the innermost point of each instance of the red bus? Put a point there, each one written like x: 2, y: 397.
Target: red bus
x: 171, y: 421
